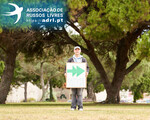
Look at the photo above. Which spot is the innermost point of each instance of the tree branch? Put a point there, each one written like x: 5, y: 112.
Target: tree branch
x: 92, y: 55
x: 146, y: 22
x: 34, y: 72
x: 122, y: 54
x: 55, y: 75
x: 78, y: 30
x: 2, y: 48
x: 132, y: 37
x: 72, y: 41
x: 130, y: 68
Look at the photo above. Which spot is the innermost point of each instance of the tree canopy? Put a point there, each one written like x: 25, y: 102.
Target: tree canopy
x: 109, y: 33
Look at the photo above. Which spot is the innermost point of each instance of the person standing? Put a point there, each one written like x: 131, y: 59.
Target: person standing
x: 77, y: 92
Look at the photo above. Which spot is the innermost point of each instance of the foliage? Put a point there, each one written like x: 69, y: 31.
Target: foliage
x: 109, y: 19
x: 22, y: 76
x: 138, y: 72
x: 30, y: 100
x: 93, y: 77
x: 143, y: 46
x: 2, y: 66
x: 141, y: 86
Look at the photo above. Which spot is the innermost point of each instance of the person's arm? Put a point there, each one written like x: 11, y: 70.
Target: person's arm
x: 87, y: 67
x: 69, y: 60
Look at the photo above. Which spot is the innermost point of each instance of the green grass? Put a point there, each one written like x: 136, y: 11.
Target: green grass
x: 61, y: 111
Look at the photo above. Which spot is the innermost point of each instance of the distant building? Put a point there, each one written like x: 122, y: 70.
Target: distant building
x: 64, y: 95
x: 17, y: 94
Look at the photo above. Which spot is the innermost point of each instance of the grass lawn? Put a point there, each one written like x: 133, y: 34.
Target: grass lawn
x: 61, y: 111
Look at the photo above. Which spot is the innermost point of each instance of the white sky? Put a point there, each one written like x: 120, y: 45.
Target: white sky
x: 71, y: 30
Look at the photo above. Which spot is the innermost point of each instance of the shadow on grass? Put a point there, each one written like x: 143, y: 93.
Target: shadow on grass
x: 44, y: 104
x: 59, y: 104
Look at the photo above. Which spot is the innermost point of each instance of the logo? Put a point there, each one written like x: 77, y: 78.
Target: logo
x: 16, y: 12
x: 31, y: 14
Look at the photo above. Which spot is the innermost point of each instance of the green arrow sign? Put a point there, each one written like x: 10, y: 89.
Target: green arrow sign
x: 76, y: 70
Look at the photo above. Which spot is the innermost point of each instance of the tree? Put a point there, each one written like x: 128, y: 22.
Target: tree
x: 108, y: 26
x: 103, y: 26
x: 143, y: 51
x: 10, y: 42
x: 23, y: 76
x: 14, y: 39
x: 142, y: 86
x: 49, y: 66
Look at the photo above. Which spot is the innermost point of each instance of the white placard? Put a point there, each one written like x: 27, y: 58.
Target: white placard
x: 76, y: 75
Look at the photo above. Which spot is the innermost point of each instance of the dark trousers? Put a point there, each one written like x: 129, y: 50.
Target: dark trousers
x: 77, y: 98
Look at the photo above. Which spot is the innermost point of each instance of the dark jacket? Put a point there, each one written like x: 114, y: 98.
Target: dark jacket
x: 83, y: 60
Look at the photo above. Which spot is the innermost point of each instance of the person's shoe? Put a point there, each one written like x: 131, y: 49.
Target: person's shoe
x: 80, y: 109
x: 72, y: 109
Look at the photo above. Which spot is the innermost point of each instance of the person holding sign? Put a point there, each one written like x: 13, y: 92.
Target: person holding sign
x: 76, y: 72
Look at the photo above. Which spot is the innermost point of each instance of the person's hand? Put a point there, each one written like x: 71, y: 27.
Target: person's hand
x: 64, y: 85
x: 65, y: 75
x: 87, y: 74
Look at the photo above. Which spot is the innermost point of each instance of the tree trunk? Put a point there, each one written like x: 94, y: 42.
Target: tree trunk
x: 7, y: 75
x: 42, y: 81
x: 25, y: 92
x: 112, y: 95
x: 51, y: 90
x: 113, y: 88
x: 118, y: 97
x: 104, y: 79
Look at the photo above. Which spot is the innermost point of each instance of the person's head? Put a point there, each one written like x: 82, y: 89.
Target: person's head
x: 77, y: 50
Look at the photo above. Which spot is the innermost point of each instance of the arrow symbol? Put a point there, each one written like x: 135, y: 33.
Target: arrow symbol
x: 76, y: 70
